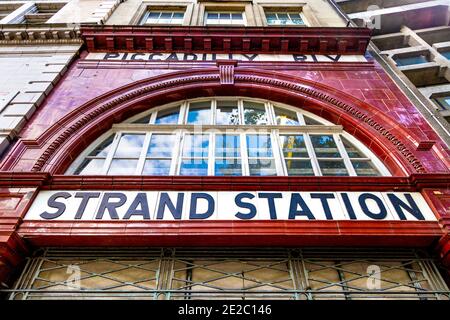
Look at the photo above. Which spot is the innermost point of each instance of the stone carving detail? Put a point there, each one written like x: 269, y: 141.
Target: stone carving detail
x: 226, y: 76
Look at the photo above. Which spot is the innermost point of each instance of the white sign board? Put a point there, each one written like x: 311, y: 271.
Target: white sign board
x: 199, y: 56
x: 218, y: 205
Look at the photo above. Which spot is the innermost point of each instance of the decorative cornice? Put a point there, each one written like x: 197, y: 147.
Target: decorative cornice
x: 40, y: 34
x: 315, y: 40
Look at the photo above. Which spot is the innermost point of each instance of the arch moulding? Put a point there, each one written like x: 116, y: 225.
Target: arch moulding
x: 65, y: 140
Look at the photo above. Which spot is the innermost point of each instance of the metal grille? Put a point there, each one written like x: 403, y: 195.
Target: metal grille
x: 254, y: 273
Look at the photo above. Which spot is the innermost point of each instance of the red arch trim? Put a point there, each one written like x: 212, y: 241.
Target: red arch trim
x: 65, y: 140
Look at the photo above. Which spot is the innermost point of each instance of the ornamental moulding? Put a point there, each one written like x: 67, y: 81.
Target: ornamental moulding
x: 67, y: 138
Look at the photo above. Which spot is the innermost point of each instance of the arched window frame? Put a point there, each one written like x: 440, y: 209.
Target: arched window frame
x: 181, y: 129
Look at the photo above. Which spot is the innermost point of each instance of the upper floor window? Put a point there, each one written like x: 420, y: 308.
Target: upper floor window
x: 443, y: 102
x: 224, y: 18
x: 284, y: 18
x: 227, y: 137
x: 163, y: 17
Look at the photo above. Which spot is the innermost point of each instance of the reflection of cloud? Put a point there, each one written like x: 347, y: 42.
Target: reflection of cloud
x: 199, y: 116
x: 196, y: 145
x: 130, y: 145
x: 161, y: 145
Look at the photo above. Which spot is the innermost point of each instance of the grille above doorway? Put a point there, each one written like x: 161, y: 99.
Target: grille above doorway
x: 254, y: 273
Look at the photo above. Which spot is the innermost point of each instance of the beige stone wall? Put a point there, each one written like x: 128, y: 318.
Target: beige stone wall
x: 316, y: 12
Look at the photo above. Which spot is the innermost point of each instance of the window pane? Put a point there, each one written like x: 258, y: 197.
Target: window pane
x: 254, y: 113
x: 225, y: 15
x: 130, y: 146
x: 406, y: 61
x: 227, y: 112
x: 122, y: 167
x: 286, y: 117
x: 259, y: 145
x: 157, y: 167
x: 262, y: 167
x: 364, y: 168
x: 351, y: 149
x: 236, y: 16
x: 310, y: 121
x: 90, y: 166
x: 333, y: 168
x: 324, y: 146
x: 196, y: 145
x: 227, y: 146
x: 271, y: 18
x: 214, y: 16
x: 168, y: 116
x: 154, y: 15
x: 144, y: 120
x: 294, y: 146
x: 103, y: 148
x: 228, y: 167
x: 297, y: 167
x: 199, y: 113
x: 194, y: 167
x: 161, y: 145
x: 178, y: 15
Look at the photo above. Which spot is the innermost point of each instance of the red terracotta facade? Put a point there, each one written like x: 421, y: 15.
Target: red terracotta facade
x: 95, y: 94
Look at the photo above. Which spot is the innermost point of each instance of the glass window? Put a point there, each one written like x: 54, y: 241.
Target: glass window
x: 254, y: 113
x: 227, y: 112
x: 225, y: 18
x: 159, y: 154
x: 163, y: 17
x: 286, y: 117
x: 127, y: 154
x: 199, y: 113
x: 328, y: 155
x: 228, y: 155
x: 443, y: 102
x: 233, y: 150
x: 284, y: 18
x: 194, y: 160
x: 406, y: 61
x: 296, y: 155
x: 169, y: 116
x: 260, y: 155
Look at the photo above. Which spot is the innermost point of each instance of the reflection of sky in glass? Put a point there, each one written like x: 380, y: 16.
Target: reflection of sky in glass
x: 199, y: 113
x: 196, y: 145
x: 161, y: 145
x: 364, y: 168
x: 228, y: 167
x: 167, y: 117
x: 103, y: 149
x: 294, y: 146
x: 227, y: 145
x: 130, y: 146
x: 156, y: 167
x: 263, y: 167
x: 259, y: 145
x: 91, y: 166
x: 194, y: 168
x: 122, y: 167
x: 324, y: 146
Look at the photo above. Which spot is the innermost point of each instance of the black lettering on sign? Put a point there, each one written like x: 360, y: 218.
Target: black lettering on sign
x: 374, y: 215
x: 153, y: 55
x: 111, y: 56
x: 52, y: 203
x: 139, y: 201
x: 296, y: 200
x: 252, y: 209
x: 348, y: 206
x: 250, y: 57
x: 172, y: 57
x: 111, y: 206
x: 271, y: 201
x: 299, y: 57
x: 193, y: 214
x: 411, y: 206
x: 325, y: 205
x: 335, y: 59
x: 133, y: 56
x: 190, y: 57
x: 164, y: 201
x: 85, y: 197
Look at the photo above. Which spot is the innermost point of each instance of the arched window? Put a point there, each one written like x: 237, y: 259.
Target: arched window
x: 227, y: 137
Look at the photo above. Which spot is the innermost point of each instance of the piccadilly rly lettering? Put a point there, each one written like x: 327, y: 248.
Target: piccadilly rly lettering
x: 104, y: 205
x: 159, y: 56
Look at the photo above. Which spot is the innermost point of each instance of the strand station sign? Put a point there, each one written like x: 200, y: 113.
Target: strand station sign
x: 217, y: 205
x: 200, y: 56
